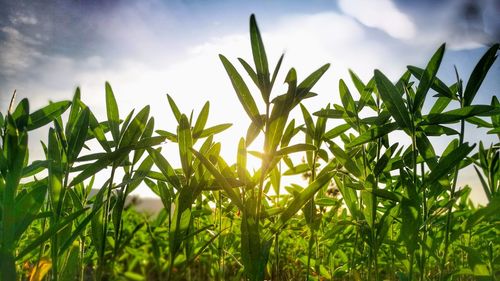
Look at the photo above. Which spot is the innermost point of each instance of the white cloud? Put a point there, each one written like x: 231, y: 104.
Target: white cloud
x: 17, y: 51
x: 192, y: 73
x: 21, y: 18
x: 381, y: 14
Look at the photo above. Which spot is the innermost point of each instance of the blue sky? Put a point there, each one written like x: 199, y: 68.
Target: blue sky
x: 149, y: 48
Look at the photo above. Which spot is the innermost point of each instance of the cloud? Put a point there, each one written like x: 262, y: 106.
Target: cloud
x: 145, y: 58
x: 381, y: 14
x: 21, y: 18
x: 17, y: 51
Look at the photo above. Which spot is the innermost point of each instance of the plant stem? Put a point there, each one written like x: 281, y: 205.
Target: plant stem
x: 451, y: 203
x: 100, y: 267
x: 424, y: 218
x: 312, y: 210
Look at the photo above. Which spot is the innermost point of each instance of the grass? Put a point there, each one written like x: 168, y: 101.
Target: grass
x: 372, y: 209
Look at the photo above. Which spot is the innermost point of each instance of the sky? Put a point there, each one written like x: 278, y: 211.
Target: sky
x: 149, y: 48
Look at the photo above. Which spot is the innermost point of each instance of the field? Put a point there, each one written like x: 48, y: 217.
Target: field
x: 366, y: 208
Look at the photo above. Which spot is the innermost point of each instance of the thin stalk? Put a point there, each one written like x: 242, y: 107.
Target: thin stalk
x: 55, y: 239
x: 312, y: 210
x: 424, y: 217
x: 375, y: 203
x: 374, y: 216
x: 82, y: 256
x: 491, y: 260
x: 220, y: 261
x: 277, y: 235
x: 370, y: 256
x: 263, y: 170
x: 392, y: 253
x: 105, y: 225
x: 277, y: 251
x: 410, y: 273
x: 450, y: 205
x: 42, y: 246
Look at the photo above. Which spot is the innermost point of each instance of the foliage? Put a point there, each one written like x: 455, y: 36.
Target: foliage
x: 368, y: 209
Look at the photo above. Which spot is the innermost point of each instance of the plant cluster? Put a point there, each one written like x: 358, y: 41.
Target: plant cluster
x: 372, y: 209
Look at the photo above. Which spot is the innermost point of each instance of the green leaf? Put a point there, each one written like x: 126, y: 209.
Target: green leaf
x: 295, y: 148
x: 373, y: 133
x: 35, y: 167
x: 438, y: 130
x: 55, y: 171
x: 458, y: 114
x: 477, y: 265
x: 249, y: 71
x: 139, y: 174
x: 276, y: 70
x: 114, y: 157
x: 242, y: 91
x: 437, y: 85
x: 490, y: 212
x: 301, y: 199
x: 410, y: 216
x: 448, y: 162
x: 165, y: 168
x: 185, y: 144
x: 80, y: 228
x: 135, y: 128
x: 174, y: 108
x: 241, y: 160
x: 76, y: 107
x: 483, y: 184
x: 165, y: 196
x: 147, y: 133
x: 310, y: 129
x: 212, y: 131
x: 426, y: 150
x: 181, y: 220
x: 170, y: 136
x: 337, y: 131
x: 345, y: 159
x: 260, y: 59
x: 21, y: 114
x: 392, y: 100
x: 299, y: 169
x: 288, y: 134
x: 347, y: 100
x: 326, y: 202
x: 384, y: 160
x: 306, y: 85
x: 53, y: 230
x: 221, y: 180
x: 47, y: 114
x: 201, y: 121
x: 254, y: 249
x: 331, y: 113
x: 253, y: 131
x: 98, y: 132
x: 479, y: 73
x: 480, y: 123
x: 113, y: 114
x: 78, y: 135
x: 386, y: 194
x: 427, y: 78
x: 279, y: 116
x: 495, y: 119
x: 27, y: 207
x: 439, y: 105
